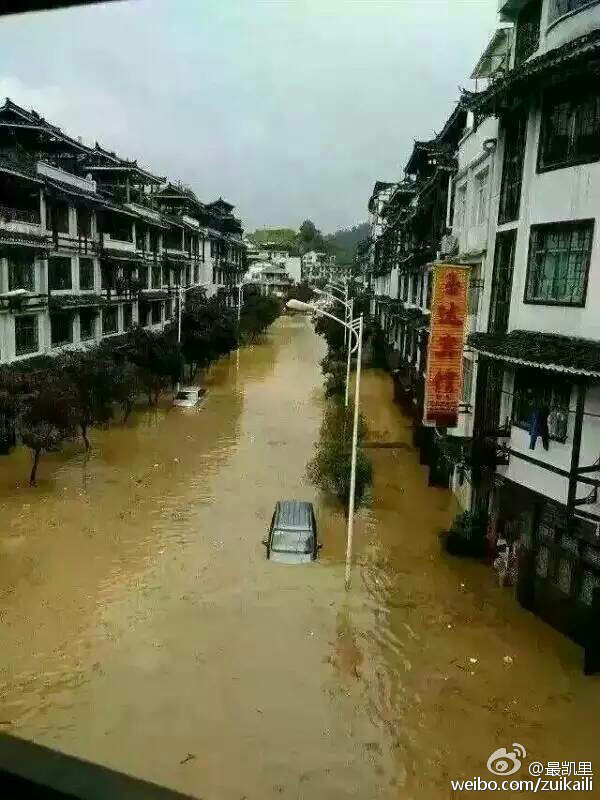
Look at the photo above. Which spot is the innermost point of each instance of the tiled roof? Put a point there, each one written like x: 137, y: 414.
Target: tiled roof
x: 549, y: 351
x: 553, y: 63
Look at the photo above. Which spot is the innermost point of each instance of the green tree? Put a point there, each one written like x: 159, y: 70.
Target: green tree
x: 49, y: 418
x: 330, y: 467
x: 91, y: 377
x: 158, y: 359
x: 257, y: 313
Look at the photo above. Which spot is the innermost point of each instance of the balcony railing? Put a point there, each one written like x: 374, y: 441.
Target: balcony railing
x: 10, y: 214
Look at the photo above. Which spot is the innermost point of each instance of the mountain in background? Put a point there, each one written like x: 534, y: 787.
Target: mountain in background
x: 341, y: 244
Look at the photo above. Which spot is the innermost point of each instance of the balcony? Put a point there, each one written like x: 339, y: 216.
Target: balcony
x: 11, y: 214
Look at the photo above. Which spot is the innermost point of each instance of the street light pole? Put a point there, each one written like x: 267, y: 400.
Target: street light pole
x: 355, y: 327
x: 350, y: 535
x: 349, y: 354
x: 348, y: 314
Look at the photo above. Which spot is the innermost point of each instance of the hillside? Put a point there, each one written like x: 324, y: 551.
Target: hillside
x: 343, y: 242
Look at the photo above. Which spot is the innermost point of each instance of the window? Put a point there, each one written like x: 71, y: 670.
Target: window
x: 188, y: 278
x: 213, y: 248
x: 559, y: 259
x: 560, y: 7
x: 467, y: 381
x: 110, y: 319
x: 59, y: 274
x: 87, y: 324
x: 168, y: 309
x: 155, y: 312
x: 86, y: 273
x: 140, y: 236
x: 196, y: 273
x: 156, y: 277
x: 528, y: 31
x: 84, y: 222
x: 173, y: 239
x: 480, y: 204
x: 153, y: 240
x: 203, y: 249
x: 61, y: 329
x: 21, y: 274
x: 143, y: 277
x: 26, y: 334
x: 512, y: 169
x: 127, y: 316
x: 414, y: 288
x: 570, y: 132
x: 107, y: 276
x: 534, y: 391
x: 120, y: 228
x: 59, y: 217
x: 460, y: 207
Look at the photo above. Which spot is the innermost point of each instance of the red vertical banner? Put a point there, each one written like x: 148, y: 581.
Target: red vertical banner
x: 446, y: 338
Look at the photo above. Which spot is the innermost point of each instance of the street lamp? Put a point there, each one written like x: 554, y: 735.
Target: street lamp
x: 354, y: 327
x: 349, y: 306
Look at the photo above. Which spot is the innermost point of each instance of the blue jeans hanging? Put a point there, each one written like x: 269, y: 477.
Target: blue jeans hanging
x: 538, y: 427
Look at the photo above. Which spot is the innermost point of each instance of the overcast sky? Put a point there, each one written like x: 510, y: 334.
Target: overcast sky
x: 287, y: 109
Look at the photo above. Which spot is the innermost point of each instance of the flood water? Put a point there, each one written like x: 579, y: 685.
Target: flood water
x: 142, y: 627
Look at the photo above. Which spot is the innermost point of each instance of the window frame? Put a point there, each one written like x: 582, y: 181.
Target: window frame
x: 90, y: 314
x: 549, y: 301
x: 105, y: 310
x: 554, y: 17
x: 56, y: 260
x: 575, y: 100
x: 93, y: 273
x: 480, y: 196
x: 35, y: 332
x: 67, y: 318
x: 460, y: 204
x: 21, y: 264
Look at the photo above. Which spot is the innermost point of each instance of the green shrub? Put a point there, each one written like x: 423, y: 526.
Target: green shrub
x: 330, y: 467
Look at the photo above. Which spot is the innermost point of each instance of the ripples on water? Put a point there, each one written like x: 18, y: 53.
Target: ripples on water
x: 141, y: 621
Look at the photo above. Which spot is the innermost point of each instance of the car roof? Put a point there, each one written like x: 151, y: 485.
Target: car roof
x: 293, y: 515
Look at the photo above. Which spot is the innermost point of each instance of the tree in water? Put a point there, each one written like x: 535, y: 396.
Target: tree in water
x: 258, y: 312
x: 158, y: 359
x: 49, y: 419
x: 330, y: 467
x: 91, y: 376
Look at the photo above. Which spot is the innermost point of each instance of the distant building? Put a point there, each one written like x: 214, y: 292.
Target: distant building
x: 317, y: 266
x: 270, y: 268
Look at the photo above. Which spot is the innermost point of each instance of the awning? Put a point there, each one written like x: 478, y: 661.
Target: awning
x: 548, y: 351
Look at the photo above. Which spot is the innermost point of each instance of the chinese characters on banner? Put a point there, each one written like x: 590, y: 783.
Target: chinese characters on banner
x: 446, y: 337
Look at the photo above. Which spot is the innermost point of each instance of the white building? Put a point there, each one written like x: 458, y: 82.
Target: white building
x: 317, y: 266
x: 536, y: 422
x: 270, y: 269
x: 91, y: 243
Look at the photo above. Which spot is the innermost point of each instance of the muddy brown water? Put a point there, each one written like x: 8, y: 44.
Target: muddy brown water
x: 142, y: 627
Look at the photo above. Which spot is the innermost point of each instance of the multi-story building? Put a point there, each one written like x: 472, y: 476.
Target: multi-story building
x: 536, y: 438
x: 270, y: 268
x: 522, y: 200
x: 91, y: 243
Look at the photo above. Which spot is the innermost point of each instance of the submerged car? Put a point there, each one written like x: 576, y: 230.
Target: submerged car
x: 293, y: 533
x: 189, y: 396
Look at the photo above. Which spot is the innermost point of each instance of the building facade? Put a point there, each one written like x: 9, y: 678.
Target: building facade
x: 523, y: 213
x: 91, y: 243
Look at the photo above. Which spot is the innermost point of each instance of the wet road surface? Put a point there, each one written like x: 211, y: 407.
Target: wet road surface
x: 142, y: 627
